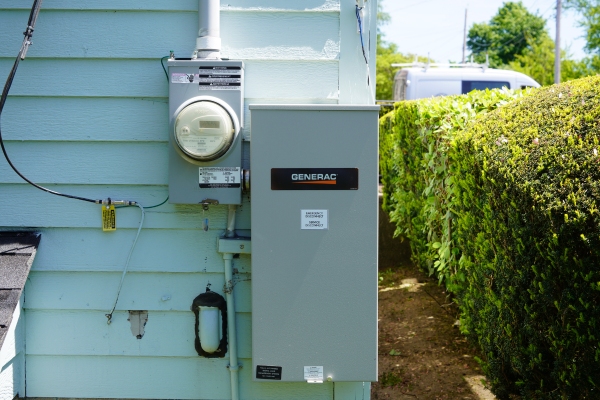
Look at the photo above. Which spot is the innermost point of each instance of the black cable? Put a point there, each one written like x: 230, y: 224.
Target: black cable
x: 163, y: 65
x: 158, y: 205
x: 145, y: 208
x: 35, y: 9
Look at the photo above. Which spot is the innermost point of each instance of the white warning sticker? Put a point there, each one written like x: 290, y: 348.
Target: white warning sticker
x: 314, y: 219
x: 219, y: 177
x: 313, y: 374
x: 184, y: 78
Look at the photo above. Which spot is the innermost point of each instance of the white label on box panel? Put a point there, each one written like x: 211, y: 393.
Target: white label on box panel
x: 183, y: 78
x: 314, y: 219
x: 313, y: 374
x: 220, y: 177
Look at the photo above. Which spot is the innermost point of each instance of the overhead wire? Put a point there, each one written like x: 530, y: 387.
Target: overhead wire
x: 520, y: 38
x: 444, y: 32
x: 35, y: 9
x: 33, y: 16
x: 411, y: 5
x: 434, y: 34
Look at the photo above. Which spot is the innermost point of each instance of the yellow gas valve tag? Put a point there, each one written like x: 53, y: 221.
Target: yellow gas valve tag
x: 109, y: 218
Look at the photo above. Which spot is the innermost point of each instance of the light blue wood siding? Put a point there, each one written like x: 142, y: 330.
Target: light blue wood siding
x: 87, y: 115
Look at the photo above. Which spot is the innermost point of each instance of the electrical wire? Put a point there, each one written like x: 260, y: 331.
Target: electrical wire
x: 410, y: 5
x: 35, y: 9
x: 362, y: 43
x: 145, y: 208
x: 163, y: 65
x: 110, y: 314
x: 482, y: 47
x: 21, y: 56
x: 485, y: 47
x: 157, y: 205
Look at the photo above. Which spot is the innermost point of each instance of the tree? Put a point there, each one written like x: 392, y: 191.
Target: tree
x: 537, y: 61
x: 387, y: 54
x: 590, y: 21
x: 518, y: 40
x: 508, y: 34
x: 383, y: 18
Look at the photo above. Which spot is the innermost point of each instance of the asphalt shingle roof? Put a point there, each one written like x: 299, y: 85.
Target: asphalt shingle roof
x: 17, y: 251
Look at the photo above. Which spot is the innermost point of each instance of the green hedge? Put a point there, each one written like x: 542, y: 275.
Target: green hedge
x: 498, y: 193
x: 415, y: 140
x: 526, y: 200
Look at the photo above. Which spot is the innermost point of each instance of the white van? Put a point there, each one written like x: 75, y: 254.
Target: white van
x: 429, y: 80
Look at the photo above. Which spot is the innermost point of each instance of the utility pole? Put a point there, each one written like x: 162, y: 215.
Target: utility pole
x: 557, y: 43
x: 465, y: 37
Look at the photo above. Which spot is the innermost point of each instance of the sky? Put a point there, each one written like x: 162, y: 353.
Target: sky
x: 436, y: 26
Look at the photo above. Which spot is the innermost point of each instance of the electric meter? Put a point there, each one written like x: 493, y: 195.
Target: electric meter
x: 204, y: 131
x: 206, y: 116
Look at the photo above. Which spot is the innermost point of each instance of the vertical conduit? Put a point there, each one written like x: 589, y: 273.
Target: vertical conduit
x: 230, y: 232
x: 231, y: 326
x: 208, y: 46
x: 208, y: 43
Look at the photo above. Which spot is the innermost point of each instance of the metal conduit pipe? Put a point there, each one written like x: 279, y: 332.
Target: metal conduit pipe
x: 230, y: 232
x: 231, y: 327
x: 208, y: 43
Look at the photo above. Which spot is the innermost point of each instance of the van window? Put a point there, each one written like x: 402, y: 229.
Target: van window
x: 468, y: 86
x: 434, y: 88
x: 400, y: 84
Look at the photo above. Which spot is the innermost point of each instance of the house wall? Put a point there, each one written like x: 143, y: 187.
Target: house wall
x: 87, y: 115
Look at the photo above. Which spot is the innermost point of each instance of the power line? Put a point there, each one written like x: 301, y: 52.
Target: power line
x: 435, y: 34
x: 410, y: 5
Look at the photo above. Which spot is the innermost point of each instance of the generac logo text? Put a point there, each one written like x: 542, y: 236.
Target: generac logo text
x: 315, y: 179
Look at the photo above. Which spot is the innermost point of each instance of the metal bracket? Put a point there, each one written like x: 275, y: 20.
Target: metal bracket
x: 239, y: 245
x: 240, y: 366
x: 207, y: 202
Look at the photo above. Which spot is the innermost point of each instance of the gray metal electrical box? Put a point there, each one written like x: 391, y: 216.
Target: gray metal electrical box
x: 314, y: 212
x: 206, y: 112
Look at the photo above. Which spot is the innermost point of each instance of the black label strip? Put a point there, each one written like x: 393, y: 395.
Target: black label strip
x: 219, y: 84
x: 220, y: 68
x: 268, y: 372
x: 314, y: 178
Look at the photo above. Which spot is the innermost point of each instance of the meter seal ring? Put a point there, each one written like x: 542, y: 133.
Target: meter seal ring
x: 197, y: 99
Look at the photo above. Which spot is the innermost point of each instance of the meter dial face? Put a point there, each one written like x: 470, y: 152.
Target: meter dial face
x: 204, y: 131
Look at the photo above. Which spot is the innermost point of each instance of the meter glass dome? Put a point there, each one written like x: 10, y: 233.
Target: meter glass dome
x: 204, y: 131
